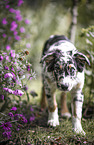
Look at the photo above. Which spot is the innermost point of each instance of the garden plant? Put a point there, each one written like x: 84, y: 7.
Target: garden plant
x: 14, y: 69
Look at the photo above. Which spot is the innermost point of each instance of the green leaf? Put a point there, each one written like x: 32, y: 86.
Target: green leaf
x: 27, y: 96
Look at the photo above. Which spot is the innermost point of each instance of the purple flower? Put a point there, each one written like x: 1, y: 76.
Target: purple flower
x: 27, y: 21
x: 8, y: 90
x: 15, y: 32
x: 12, y: 53
x: 4, y: 35
x: 17, y: 37
x: 18, y: 127
x: 1, y: 57
x: 10, y: 114
x: 7, y: 58
x: 28, y: 67
x: 6, y: 67
x: 2, y: 97
x: 18, y: 17
x: 31, y: 109
x: 4, y: 53
x: 6, y: 126
x: 20, y: 118
x: 17, y: 12
x: 4, y: 21
x: 23, y: 119
x: 18, y: 92
x: 14, y: 108
x: 20, y: 2
x: 32, y: 118
x: 22, y: 30
x: 17, y: 116
x: 7, y: 134
x: 8, y: 75
x: 12, y: 68
x: 11, y: 10
x: 8, y: 47
x: 13, y: 26
x: 7, y: 6
x: 13, y: 74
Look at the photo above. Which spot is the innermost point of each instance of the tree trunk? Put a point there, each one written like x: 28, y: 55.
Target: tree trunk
x: 74, y: 21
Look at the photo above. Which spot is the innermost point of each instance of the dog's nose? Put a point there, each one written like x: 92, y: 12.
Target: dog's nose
x: 64, y: 87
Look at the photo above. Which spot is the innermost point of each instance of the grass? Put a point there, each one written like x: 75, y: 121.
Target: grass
x: 42, y: 134
x: 38, y: 133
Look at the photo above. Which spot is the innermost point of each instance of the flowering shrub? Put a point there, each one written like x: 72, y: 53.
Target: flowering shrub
x: 15, y: 70
x: 15, y: 121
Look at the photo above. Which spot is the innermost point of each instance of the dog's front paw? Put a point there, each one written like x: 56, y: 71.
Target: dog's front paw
x: 77, y: 127
x: 53, y: 119
x: 53, y: 122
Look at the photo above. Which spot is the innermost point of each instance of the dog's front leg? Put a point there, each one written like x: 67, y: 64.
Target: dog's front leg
x: 77, y: 102
x: 53, y: 118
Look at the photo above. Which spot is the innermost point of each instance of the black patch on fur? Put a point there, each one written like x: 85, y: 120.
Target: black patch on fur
x: 80, y: 60
x: 48, y: 96
x: 52, y: 59
x: 51, y: 41
x: 75, y: 99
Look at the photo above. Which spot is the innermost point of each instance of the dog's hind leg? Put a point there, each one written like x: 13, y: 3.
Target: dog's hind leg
x: 43, y: 101
x: 64, y: 109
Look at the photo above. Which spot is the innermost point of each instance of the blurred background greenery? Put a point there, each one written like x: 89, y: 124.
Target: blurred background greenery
x: 51, y: 17
x: 54, y: 17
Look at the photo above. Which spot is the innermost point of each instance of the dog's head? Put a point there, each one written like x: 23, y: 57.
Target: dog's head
x: 64, y: 67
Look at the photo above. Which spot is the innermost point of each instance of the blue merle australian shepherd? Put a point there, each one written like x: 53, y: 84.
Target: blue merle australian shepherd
x: 63, y: 69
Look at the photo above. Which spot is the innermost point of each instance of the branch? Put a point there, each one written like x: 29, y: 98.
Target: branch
x: 74, y: 21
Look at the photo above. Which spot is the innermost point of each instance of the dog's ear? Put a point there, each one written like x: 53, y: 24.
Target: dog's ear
x: 50, y: 59
x: 80, y: 59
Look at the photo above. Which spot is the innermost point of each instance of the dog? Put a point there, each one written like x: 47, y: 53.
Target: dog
x: 63, y: 68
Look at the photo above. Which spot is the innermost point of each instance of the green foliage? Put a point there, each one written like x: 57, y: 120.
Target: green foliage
x: 88, y: 35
